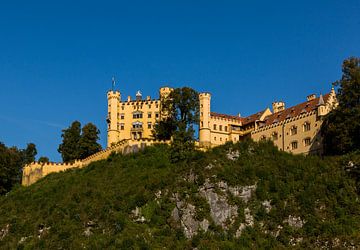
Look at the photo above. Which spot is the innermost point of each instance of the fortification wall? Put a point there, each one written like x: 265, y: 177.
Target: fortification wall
x: 35, y: 171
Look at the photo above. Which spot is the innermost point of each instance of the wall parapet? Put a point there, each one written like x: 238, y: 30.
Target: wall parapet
x: 37, y: 170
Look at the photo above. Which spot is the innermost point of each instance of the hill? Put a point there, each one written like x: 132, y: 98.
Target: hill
x: 246, y: 195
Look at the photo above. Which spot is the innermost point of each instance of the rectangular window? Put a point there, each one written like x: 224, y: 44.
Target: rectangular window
x: 214, y: 126
x: 294, y: 145
x: 149, y: 115
x: 156, y: 115
x: 122, y: 126
x: 307, y: 141
x: 122, y: 116
x: 306, y: 126
x: 293, y: 130
x: 225, y: 128
x: 149, y: 124
x: 220, y: 127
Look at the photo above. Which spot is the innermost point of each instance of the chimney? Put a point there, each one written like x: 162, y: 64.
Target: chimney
x: 129, y: 98
x: 311, y: 97
x: 278, y: 106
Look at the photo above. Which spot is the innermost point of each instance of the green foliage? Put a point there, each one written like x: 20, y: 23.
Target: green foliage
x: 69, y: 148
x: 181, y: 112
x: 12, y: 161
x: 79, y: 143
x: 88, y: 142
x: 341, y: 128
x: 100, y: 198
x: 43, y: 159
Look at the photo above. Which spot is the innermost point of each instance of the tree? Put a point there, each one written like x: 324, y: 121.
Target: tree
x: 341, y: 128
x: 69, y: 148
x: 88, y: 142
x: 29, y: 153
x: 12, y: 160
x: 180, y: 112
x: 79, y: 143
x: 43, y: 159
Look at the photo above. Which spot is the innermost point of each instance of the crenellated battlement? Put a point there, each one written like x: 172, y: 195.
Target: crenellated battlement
x: 37, y: 170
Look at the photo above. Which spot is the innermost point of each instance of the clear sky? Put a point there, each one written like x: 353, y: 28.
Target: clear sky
x: 57, y: 57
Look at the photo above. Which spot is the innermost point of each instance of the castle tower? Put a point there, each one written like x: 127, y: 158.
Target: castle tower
x: 113, y: 117
x: 204, y: 128
x: 321, y: 107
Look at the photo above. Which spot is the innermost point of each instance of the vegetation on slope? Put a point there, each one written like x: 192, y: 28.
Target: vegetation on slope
x: 94, y: 207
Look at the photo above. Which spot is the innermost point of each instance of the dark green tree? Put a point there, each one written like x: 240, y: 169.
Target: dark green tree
x: 69, y: 148
x: 12, y: 160
x: 79, y: 143
x: 341, y: 128
x: 43, y: 159
x: 29, y: 153
x: 88, y: 144
x: 180, y: 112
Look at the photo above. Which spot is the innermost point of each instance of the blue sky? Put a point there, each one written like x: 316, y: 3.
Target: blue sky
x: 57, y: 57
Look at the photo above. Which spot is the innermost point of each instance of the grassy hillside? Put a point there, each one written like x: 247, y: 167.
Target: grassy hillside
x: 143, y: 201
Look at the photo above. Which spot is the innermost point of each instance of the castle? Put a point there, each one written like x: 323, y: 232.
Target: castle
x: 294, y: 129
x: 130, y: 124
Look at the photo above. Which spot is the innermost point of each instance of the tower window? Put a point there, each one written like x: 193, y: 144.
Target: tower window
x: 225, y: 128
x: 220, y: 127
x: 122, y: 116
x: 156, y: 115
x: 122, y: 126
x: 294, y: 145
x: 307, y: 141
x: 215, y: 127
x: 149, y: 124
x: 149, y: 114
x: 293, y: 130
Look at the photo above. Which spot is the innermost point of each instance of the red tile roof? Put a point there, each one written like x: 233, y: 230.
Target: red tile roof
x: 294, y: 111
x: 233, y: 117
x: 252, y: 118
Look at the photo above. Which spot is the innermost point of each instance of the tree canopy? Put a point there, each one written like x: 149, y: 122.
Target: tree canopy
x: 12, y: 160
x: 79, y: 143
x: 341, y: 128
x: 180, y: 112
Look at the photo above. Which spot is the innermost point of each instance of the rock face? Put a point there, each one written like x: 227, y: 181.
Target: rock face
x: 4, y: 231
x: 295, y: 222
x: 221, y: 212
x: 185, y: 213
x: 249, y: 222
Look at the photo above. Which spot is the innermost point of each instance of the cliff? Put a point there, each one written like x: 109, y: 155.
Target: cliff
x: 247, y: 195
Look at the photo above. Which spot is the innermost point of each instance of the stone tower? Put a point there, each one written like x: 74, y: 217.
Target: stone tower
x: 113, y: 117
x: 204, y: 128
